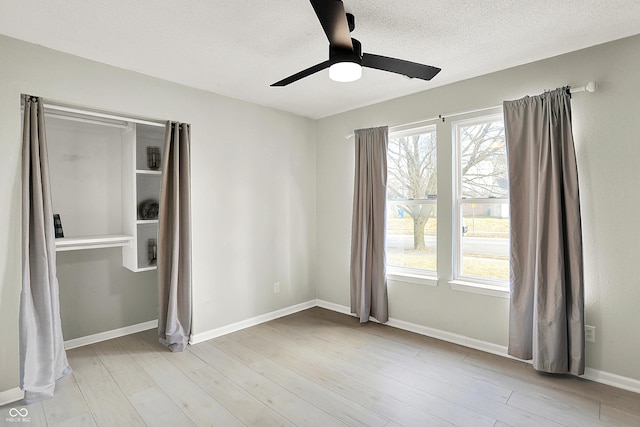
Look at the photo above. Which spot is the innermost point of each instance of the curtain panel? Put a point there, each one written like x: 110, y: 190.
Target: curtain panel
x: 174, y: 239
x: 368, y: 258
x: 43, y: 360
x: 546, y: 319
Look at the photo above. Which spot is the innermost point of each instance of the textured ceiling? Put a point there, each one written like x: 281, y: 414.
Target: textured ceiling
x: 239, y: 47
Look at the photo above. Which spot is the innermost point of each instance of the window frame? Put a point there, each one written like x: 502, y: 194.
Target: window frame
x: 476, y: 284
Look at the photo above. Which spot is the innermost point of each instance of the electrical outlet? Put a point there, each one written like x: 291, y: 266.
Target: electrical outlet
x: 276, y: 288
x: 590, y: 333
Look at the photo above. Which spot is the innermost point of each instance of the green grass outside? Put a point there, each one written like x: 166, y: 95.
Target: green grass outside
x: 477, y: 265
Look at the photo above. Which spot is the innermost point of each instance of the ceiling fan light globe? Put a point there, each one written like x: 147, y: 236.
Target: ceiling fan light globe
x: 345, y: 71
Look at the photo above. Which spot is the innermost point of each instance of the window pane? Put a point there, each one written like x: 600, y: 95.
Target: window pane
x: 485, y: 240
x: 411, y: 196
x: 483, y: 160
x: 411, y: 236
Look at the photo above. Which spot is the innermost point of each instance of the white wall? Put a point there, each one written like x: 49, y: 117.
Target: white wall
x: 606, y: 130
x: 253, y: 193
x: 98, y: 295
x: 85, y: 167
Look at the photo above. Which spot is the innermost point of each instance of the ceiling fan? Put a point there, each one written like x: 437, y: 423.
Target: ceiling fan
x: 345, y: 54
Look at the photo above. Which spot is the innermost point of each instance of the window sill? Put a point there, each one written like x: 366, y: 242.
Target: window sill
x: 412, y: 278
x: 480, y: 288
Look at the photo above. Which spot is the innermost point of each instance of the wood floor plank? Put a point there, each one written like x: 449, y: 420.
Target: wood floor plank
x: 385, y: 361
x: 371, y: 377
x: 338, y: 334
x: 236, y: 371
x: 554, y: 410
x: 244, y: 406
x: 109, y: 406
x: 82, y: 420
x: 416, y: 379
x: 247, y: 408
x: 579, y: 394
x: 521, y: 376
x: 156, y: 409
x: 67, y: 403
x: 474, y: 401
x: 380, y: 402
x: 447, y: 351
x: 302, y: 412
x: 332, y: 403
x: 271, y: 347
x: 483, y: 403
x: 86, y: 364
x: 451, y: 376
x: 450, y: 352
x: 283, y: 401
x: 122, y: 367
x: 618, y: 417
x: 201, y: 408
x: 563, y: 390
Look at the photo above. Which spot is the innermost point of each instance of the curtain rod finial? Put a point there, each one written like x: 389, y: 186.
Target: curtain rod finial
x: 591, y: 87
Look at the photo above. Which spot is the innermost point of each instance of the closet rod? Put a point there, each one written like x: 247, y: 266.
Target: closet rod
x: 589, y: 87
x: 102, y: 122
x: 97, y: 115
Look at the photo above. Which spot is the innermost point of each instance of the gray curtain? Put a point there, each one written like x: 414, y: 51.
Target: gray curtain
x: 368, y: 257
x: 43, y: 360
x: 546, y: 320
x: 174, y: 239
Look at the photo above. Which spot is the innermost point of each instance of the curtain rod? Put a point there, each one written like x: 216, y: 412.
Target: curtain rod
x: 88, y: 119
x: 589, y: 87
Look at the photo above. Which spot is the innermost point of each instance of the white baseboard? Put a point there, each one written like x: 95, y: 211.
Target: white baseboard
x: 614, y: 380
x: 462, y: 340
x: 107, y: 335
x: 603, y: 377
x: 224, y: 330
x: 334, y: 307
x: 10, y: 396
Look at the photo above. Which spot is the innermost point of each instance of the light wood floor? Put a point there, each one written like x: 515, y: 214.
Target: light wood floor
x: 318, y: 368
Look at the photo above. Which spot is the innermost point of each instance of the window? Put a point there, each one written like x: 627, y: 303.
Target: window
x: 412, y: 202
x: 481, y: 214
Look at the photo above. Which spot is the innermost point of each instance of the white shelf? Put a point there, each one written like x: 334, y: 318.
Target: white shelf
x: 155, y: 267
x: 92, y: 242
x: 147, y: 221
x: 140, y: 184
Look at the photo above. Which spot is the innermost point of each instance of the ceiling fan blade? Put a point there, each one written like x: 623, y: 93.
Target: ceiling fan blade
x: 302, y: 74
x: 407, y: 68
x: 333, y: 19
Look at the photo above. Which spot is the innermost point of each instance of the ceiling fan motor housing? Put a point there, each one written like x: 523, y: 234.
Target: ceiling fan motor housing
x: 337, y: 54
